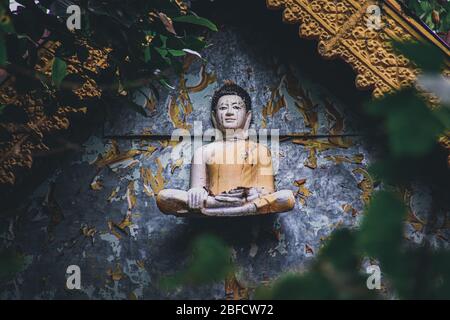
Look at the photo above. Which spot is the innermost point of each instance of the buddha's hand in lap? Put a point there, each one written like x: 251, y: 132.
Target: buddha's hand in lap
x: 197, y: 198
x: 239, y: 196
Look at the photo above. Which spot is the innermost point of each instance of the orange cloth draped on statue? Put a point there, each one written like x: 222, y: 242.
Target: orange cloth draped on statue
x: 240, y: 163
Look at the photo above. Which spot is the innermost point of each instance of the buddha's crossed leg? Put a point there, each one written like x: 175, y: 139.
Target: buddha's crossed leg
x: 173, y: 201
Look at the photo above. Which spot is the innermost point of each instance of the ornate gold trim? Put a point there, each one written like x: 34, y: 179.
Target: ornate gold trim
x: 28, y: 138
x: 342, y: 30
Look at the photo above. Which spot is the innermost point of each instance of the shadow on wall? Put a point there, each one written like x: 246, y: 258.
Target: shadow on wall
x: 261, y: 25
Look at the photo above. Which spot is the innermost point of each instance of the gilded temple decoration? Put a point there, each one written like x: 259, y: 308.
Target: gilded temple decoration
x: 26, y: 139
x: 341, y: 27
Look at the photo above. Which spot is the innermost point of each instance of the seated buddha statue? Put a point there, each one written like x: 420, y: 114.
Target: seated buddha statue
x: 232, y: 176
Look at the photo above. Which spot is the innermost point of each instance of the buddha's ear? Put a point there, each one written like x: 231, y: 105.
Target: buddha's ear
x: 248, y: 120
x: 214, y: 120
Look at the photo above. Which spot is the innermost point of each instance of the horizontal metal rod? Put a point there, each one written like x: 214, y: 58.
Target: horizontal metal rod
x: 281, y: 136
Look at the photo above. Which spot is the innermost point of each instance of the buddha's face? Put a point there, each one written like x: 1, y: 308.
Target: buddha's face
x: 230, y: 112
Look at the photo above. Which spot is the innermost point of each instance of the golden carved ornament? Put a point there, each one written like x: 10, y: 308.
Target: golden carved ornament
x: 26, y: 139
x: 341, y: 27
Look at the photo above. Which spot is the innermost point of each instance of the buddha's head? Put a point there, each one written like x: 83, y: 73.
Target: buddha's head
x: 231, y: 108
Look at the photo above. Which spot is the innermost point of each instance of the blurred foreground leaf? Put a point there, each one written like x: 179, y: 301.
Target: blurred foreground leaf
x: 11, y: 263
x: 411, y: 126
x: 210, y: 262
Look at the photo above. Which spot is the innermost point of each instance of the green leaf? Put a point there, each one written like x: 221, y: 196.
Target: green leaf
x: 11, y: 263
x: 3, y: 52
x: 166, y: 84
x: 340, y: 250
x: 312, y: 285
x: 381, y: 231
x: 147, y: 55
x: 2, y: 107
x: 194, y: 43
x: 5, y: 23
x: 411, y: 126
x: 425, y: 6
x: 163, y: 41
x: 210, y: 262
x: 177, y: 53
x: 443, y: 114
x: 59, y: 71
x: 196, y: 20
x: 427, y: 57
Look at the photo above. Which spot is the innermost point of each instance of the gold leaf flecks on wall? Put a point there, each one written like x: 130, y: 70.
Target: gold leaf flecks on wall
x: 349, y: 209
x: 234, y: 290
x: 206, y: 78
x: 366, y: 184
x: 176, y: 115
x: 116, y: 274
x: 304, y: 103
x: 156, y: 182
x: 97, y: 183
x: 131, y: 195
x: 338, y: 159
x: 336, y: 123
x: 177, y: 164
x: 313, y: 146
x: 275, y: 103
x: 303, y: 193
x: 113, y: 156
x: 113, y: 196
x: 417, y: 223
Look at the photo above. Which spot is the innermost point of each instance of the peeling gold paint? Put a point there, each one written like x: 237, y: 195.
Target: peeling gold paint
x: 366, y: 184
x: 177, y: 164
x: 349, y: 209
x: 206, y: 78
x: 131, y: 195
x: 113, y: 156
x: 303, y: 193
x: 119, y: 229
x: 150, y: 103
x: 116, y: 274
x: 156, y: 182
x: 336, y: 128
x: 313, y: 146
x: 178, y: 113
x: 417, y: 223
x: 234, y: 290
x: 149, y: 151
x: 168, y: 143
x: 97, y: 183
x: 113, y: 194
x: 275, y: 103
x: 338, y: 159
x: 308, y: 249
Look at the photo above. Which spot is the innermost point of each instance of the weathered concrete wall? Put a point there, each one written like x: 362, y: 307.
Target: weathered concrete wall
x: 77, y: 215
